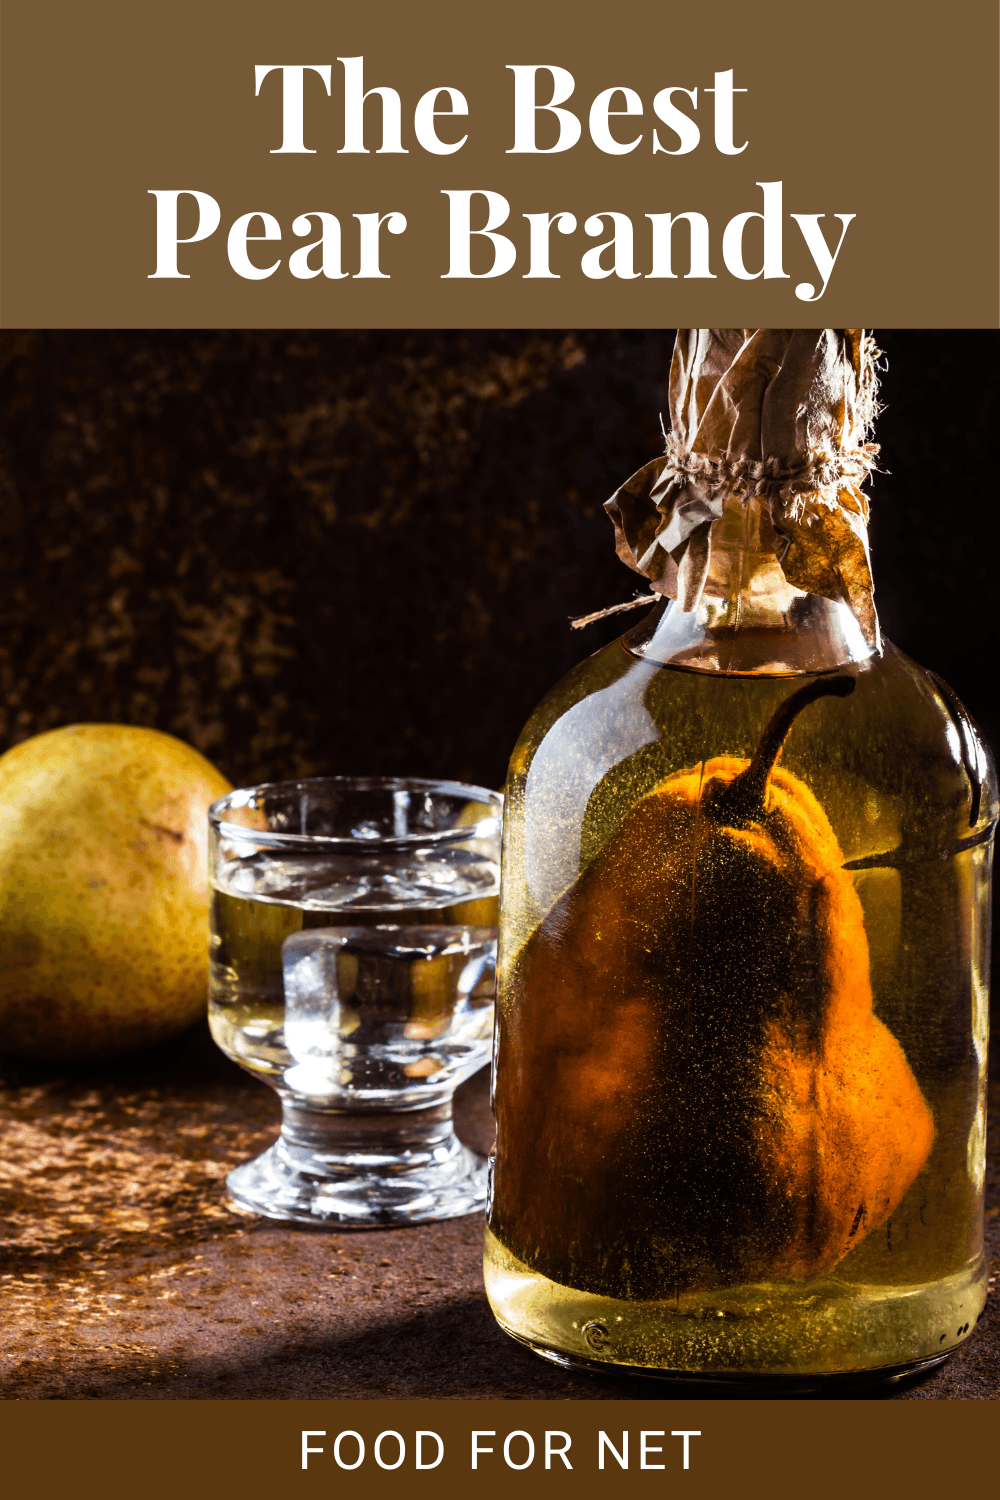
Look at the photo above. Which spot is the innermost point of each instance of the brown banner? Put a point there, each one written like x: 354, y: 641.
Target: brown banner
x: 698, y: 1449
x: 772, y: 164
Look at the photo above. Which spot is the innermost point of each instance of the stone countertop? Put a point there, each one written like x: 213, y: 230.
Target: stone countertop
x: 125, y: 1275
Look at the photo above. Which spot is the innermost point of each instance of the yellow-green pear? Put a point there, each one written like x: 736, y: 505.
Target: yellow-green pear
x: 103, y: 890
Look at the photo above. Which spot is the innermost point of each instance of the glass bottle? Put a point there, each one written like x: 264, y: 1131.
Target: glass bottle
x: 740, y: 1059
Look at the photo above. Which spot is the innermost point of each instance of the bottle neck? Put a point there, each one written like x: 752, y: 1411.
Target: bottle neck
x: 750, y: 621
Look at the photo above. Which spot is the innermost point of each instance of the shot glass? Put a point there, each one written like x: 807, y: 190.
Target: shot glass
x: 353, y: 960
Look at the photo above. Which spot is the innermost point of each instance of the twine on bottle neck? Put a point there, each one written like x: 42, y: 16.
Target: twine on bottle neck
x: 785, y: 488
x: 614, y: 609
x: 770, y: 479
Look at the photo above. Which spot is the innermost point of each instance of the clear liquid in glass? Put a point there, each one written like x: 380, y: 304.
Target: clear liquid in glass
x: 352, y: 966
x: 412, y: 1013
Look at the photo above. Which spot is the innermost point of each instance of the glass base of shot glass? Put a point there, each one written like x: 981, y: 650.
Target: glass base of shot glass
x: 362, y: 1170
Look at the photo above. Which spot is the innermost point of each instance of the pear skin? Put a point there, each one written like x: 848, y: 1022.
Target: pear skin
x: 103, y: 890
x: 694, y: 1088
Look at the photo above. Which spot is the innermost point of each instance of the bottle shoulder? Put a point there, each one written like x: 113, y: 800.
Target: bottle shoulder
x: 915, y: 722
x: 589, y: 679
x: 898, y: 763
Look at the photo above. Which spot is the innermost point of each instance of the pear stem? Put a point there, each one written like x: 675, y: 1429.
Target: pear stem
x: 744, y: 797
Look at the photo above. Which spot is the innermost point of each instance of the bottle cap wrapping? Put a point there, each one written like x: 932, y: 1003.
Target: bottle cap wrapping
x: 777, y: 413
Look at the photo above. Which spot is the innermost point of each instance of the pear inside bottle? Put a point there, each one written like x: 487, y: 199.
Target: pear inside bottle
x: 741, y: 1040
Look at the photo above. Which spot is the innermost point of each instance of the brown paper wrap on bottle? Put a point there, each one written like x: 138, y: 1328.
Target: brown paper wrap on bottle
x: 780, y: 413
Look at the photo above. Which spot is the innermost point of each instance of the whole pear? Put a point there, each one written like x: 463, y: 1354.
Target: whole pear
x: 103, y: 890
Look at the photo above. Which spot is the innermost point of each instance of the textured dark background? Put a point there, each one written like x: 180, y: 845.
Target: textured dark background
x: 343, y: 552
